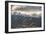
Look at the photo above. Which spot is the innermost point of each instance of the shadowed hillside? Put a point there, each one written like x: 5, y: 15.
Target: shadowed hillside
x: 20, y: 21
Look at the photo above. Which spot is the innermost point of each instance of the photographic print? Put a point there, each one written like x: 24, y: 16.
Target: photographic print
x: 25, y: 16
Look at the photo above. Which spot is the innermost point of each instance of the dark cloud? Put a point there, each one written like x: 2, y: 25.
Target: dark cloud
x: 29, y: 8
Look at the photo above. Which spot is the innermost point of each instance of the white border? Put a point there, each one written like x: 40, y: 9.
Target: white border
x: 24, y: 29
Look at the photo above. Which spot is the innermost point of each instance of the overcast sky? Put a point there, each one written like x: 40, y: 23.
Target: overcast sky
x: 26, y: 8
